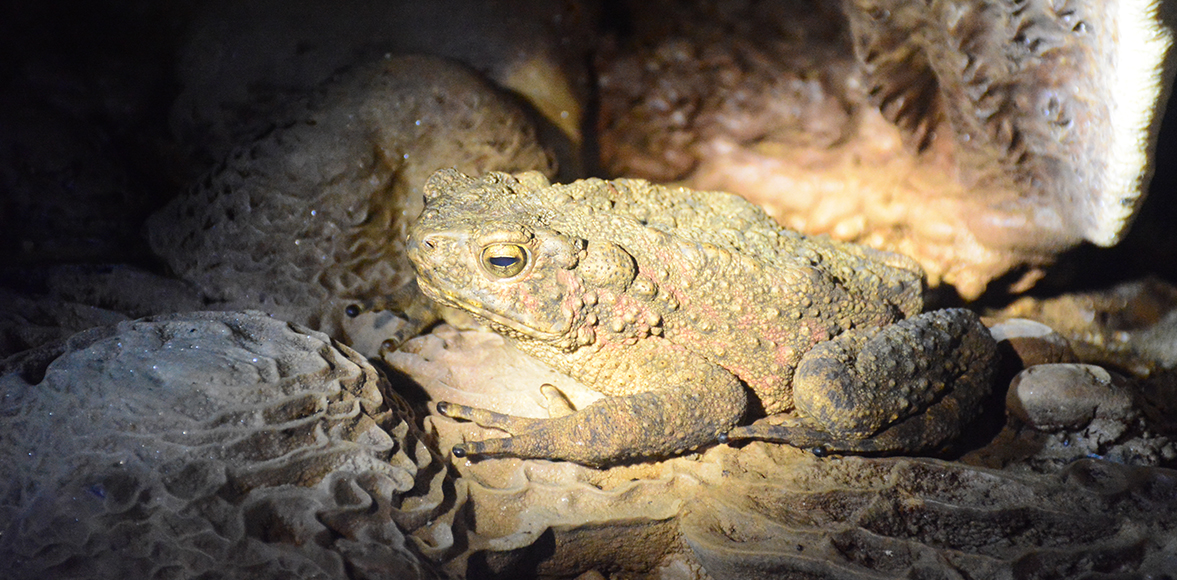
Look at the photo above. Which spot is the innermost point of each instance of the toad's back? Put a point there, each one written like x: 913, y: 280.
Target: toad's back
x: 713, y: 272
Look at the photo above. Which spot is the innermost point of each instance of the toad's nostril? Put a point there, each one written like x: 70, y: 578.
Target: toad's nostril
x: 428, y: 241
x: 418, y: 245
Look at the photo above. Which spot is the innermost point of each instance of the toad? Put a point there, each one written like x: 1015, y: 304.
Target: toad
x: 693, y: 313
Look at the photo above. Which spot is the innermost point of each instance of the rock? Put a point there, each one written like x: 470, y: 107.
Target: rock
x: 1021, y: 344
x: 767, y: 511
x: 239, y: 62
x: 1131, y: 326
x: 213, y: 444
x: 309, y: 219
x: 141, y: 460
x: 1029, y: 343
x: 1056, y: 397
x: 1060, y: 413
x: 912, y: 127
x: 54, y: 302
x: 904, y: 518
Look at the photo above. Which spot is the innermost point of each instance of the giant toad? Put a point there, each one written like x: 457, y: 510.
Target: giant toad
x: 692, y: 312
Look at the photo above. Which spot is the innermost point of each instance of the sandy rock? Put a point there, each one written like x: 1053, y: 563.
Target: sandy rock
x: 224, y: 443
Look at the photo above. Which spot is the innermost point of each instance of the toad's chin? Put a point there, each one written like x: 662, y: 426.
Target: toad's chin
x: 501, y: 323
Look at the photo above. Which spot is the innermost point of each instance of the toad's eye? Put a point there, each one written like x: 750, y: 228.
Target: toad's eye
x: 504, y: 260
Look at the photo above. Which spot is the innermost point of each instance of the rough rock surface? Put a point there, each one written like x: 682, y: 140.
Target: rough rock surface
x: 976, y: 137
x: 557, y: 517
x: 310, y: 218
x: 85, y: 153
x: 209, y: 444
x: 55, y: 302
x: 921, y: 518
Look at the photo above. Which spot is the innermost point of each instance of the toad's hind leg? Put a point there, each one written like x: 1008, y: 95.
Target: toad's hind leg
x: 910, y: 386
x: 653, y: 424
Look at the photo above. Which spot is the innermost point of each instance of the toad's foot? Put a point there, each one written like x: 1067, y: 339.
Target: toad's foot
x: 486, y: 418
x: 408, y: 304
x: 557, y: 403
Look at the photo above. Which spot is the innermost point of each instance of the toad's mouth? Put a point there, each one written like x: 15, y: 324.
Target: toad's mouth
x: 502, y: 324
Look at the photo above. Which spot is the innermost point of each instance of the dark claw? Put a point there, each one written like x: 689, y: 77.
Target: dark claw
x: 458, y: 450
x: 389, y: 345
x: 443, y: 408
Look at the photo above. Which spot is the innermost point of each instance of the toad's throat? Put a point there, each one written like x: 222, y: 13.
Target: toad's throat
x: 504, y: 324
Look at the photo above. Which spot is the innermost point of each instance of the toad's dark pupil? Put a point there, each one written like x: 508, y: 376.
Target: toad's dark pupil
x: 503, y: 261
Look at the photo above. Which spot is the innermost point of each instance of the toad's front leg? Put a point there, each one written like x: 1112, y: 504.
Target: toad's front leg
x: 688, y: 405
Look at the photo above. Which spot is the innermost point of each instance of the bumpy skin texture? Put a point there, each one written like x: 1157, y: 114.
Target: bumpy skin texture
x: 676, y: 303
